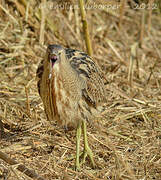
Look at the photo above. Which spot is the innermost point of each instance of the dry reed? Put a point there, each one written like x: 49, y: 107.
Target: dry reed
x: 126, y: 139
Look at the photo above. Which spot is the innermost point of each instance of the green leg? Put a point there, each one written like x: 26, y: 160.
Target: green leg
x: 78, y: 136
x: 87, y: 150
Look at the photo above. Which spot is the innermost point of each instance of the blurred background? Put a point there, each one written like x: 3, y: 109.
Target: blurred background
x: 126, y: 43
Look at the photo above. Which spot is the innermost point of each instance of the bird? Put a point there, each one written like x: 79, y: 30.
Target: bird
x: 72, y: 90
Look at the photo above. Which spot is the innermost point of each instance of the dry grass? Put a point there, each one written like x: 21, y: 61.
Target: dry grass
x: 126, y: 140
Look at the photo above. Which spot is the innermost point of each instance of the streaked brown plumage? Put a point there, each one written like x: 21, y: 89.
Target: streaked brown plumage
x: 72, y: 90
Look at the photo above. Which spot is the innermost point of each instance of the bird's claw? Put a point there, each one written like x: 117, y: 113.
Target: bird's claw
x: 83, y: 155
x: 88, y: 152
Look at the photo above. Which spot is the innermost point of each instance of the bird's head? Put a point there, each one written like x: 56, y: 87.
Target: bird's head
x: 55, y: 54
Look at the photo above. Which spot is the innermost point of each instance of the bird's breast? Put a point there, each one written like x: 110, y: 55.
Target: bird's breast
x: 64, y: 97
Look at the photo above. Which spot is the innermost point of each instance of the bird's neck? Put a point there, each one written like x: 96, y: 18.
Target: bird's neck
x: 64, y: 65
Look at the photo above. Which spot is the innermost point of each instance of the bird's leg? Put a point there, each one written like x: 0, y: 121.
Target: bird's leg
x: 87, y: 150
x: 78, y: 136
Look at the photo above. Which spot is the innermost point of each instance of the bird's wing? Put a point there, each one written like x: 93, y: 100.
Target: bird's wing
x: 94, y: 92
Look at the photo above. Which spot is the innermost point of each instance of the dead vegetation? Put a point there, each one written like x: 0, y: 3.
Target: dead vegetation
x: 126, y: 43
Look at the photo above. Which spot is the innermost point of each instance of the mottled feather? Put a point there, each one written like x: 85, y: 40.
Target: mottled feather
x: 71, y: 87
x: 89, y: 74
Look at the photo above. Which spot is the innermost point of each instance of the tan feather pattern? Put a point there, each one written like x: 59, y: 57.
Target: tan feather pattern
x: 75, y: 88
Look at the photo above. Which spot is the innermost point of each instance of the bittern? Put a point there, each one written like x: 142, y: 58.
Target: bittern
x: 72, y: 90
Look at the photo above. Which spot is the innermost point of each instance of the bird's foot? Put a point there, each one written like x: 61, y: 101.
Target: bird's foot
x: 77, y: 167
x: 83, y: 155
x: 77, y: 163
x: 88, y: 152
